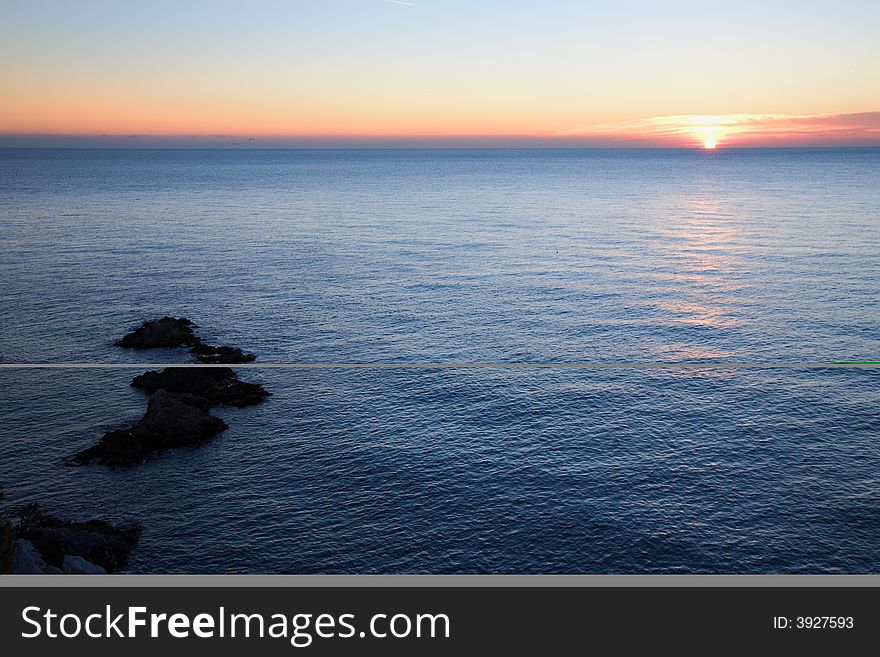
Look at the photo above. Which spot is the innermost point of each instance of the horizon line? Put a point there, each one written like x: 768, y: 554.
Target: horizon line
x: 437, y: 147
x: 460, y: 365
x: 834, y: 130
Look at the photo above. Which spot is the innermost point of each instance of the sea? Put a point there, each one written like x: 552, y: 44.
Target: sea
x: 470, y: 257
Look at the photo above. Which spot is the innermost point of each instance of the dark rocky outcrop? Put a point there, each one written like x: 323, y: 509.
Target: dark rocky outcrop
x: 167, y: 332
x: 177, y: 414
x: 7, y: 538
x: 170, y: 332
x: 172, y: 420
x: 44, y: 544
x: 218, y: 385
x: 206, y: 353
x: 95, y: 541
x: 27, y: 560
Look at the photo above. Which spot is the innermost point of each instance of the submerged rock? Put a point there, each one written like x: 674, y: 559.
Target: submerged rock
x: 167, y: 332
x: 172, y: 420
x: 218, y: 385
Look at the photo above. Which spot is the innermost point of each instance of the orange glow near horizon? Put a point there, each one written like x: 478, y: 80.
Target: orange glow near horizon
x: 685, y: 131
x: 745, y: 130
x: 256, y: 124
x: 557, y: 73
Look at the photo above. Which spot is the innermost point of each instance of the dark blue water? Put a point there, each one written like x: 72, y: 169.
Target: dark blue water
x: 489, y: 256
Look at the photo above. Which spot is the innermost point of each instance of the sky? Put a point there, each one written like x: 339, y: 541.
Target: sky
x: 440, y: 72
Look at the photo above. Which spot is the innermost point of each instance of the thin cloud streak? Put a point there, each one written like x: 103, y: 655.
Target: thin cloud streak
x: 680, y: 131
x: 857, y: 128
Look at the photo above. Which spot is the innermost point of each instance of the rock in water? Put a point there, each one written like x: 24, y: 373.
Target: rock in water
x: 172, y: 420
x: 170, y: 332
x: 218, y: 385
x: 179, y: 415
x: 206, y: 353
x: 163, y: 333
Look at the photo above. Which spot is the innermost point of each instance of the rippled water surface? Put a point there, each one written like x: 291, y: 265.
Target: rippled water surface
x: 473, y: 256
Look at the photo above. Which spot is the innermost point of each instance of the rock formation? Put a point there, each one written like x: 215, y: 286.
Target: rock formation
x: 171, y: 420
x: 206, y: 353
x: 170, y: 332
x: 44, y: 544
x: 167, y: 332
x: 178, y: 411
x: 218, y: 385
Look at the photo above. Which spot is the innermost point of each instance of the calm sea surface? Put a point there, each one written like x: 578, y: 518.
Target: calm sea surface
x: 477, y: 256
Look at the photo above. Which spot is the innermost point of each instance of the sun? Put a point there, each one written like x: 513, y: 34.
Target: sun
x: 710, y: 142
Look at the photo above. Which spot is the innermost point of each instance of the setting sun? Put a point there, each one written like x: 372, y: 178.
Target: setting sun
x: 710, y: 143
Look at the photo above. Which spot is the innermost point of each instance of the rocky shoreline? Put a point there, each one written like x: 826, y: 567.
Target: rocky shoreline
x: 44, y: 544
x: 34, y: 542
x: 178, y: 415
